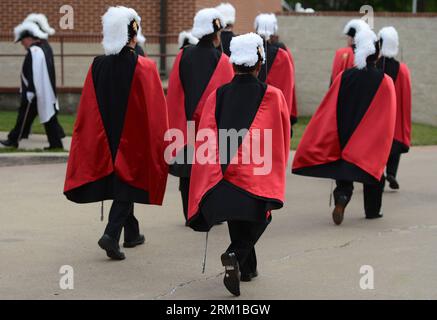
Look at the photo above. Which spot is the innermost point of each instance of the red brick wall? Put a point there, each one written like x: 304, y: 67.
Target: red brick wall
x: 87, y: 13
x: 247, y: 10
x: 180, y: 15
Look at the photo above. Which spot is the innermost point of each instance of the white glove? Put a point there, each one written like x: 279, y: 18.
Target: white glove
x: 30, y: 96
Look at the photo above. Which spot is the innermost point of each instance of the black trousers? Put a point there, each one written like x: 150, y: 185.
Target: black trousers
x: 372, y: 195
x: 122, y: 216
x: 24, y: 122
x: 244, y: 235
x: 393, y: 164
x: 184, y: 188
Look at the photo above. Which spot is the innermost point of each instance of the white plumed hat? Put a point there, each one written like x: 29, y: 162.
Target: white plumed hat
x: 365, y: 41
x: 390, y: 42
x: 42, y: 22
x: 354, y: 26
x: 116, y: 22
x: 207, y: 21
x: 186, y: 35
x: 246, y: 49
x: 266, y: 25
x: 140, y: 37
x: 228, y: 12
x: 28, y: 28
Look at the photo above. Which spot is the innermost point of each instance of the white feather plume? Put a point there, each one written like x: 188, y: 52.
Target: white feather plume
x: 115, y: 28
x: 228, y: 12
x: 186, y: 35
x: 140, y: 37
x: 245, y: 48
x: 365, y: 46
x: 30, y: 27
x: 390, y: 42
x: 41, y: 20
x: 357, y: 24
x: 203, y: 22
x: 266, y: 25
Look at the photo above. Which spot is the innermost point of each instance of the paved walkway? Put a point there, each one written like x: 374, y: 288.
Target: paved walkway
x: 36, y: 141
x: 302, y: 255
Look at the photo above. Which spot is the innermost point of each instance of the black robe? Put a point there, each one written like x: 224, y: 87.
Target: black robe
x: 279, y: 44
x: 139, y: 50
x: 27, y: 81
x: 112, y: 77
x: 111, y: 83
x: 271, y: 51
x: 27, y: 72
x: 197, y: 66
x: 333, y: 147
x: 236, y: 106
x: 27, y: 77
x: 50, y: 60
x: 41, y: 88
x: 391, y: 67
x: 226, y: 37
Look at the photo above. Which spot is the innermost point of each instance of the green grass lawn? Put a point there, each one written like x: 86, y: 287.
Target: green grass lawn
x: 7, y: 121
x: 422, y: 134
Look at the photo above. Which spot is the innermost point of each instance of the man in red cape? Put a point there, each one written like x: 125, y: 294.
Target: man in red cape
x: 401, y: 76
x: 279, y: 68
x: 117, y: 150
x: 198, y: 70
x: 345, y: 57
x: 350, y: 136
x: 245, y: 118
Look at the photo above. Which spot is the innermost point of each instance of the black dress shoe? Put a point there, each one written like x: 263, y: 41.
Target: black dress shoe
x: 131, y: 244
x: 232, y: 273
x: 340, y: 207
x: 247, y: 277
x: 111, y: 247
x: 372, y: 217
x: 393, y: 183
x: 9, y: 143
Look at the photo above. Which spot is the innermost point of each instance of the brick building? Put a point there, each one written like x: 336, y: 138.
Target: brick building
x: 312, y: 50
x: 74, y: 49
x: 87, y: 13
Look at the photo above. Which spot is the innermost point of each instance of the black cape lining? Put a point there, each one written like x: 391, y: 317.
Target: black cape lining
x: 225, y: 202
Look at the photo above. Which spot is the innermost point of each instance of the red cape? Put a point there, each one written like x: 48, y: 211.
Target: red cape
x: 370, y: 144
x: 281, y: 76
x: 403, y: 100
x: 176, y: 97
x: 272, y: 114
x: 343, y: 60
x: 294, y: 104
x: 140, y: 157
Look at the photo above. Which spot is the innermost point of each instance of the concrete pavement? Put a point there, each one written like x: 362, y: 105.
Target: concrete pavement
x: 302, y: 255
x: 28, y: 154
x: 35, y: 141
